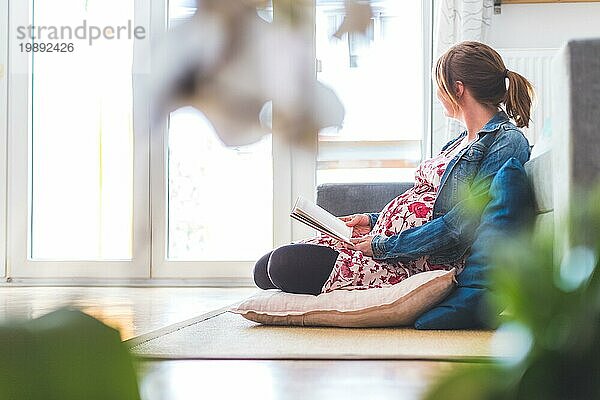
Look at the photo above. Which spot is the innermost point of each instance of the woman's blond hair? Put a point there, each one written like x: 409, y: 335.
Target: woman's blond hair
x: 481, y: 69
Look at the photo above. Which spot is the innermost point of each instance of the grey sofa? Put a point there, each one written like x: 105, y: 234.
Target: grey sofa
x: 349, y: 198
x: 573, y: 148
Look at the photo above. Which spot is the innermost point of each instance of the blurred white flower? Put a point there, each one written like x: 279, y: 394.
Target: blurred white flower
x: 357, y: 19
x: 229, y: 63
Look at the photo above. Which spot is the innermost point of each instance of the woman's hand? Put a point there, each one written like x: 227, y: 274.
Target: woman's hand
x: 362, y: 244
x: 360, y: 223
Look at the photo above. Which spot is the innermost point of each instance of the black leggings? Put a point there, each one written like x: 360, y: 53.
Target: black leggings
x: 295, y: 268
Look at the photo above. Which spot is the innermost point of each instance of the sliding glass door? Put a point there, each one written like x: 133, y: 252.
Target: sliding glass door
x: 96, y: 191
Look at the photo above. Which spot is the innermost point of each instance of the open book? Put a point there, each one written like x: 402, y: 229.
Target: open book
x: 321, y: 220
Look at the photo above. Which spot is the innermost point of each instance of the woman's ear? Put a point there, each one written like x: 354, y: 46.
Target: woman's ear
x: 459, y: 89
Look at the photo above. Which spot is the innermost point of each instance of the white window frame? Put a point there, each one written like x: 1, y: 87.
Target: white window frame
x: 19, y: 264
x: 3, y: 129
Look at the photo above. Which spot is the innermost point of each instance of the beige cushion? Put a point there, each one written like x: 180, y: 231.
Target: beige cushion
x: 539, y: 171
x: 395, y: 305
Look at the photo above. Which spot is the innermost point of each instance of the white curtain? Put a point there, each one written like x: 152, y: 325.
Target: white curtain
x: 456, y: 21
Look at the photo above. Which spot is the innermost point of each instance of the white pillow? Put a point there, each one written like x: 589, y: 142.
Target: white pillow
x: 396, y: 305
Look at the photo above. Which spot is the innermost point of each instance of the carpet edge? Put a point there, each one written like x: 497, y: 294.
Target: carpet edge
x: 135, y: 341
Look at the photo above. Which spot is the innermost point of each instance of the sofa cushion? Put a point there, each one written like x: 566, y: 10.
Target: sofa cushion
x: 396, y: 305
x: 510, y: 208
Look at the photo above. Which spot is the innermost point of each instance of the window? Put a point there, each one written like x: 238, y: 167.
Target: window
x: 217, y: 194
x: 78, y: 203
x: 380, y: 80
x: 217, y: 217
x: 98, y: 192
x: 81, y: 131
x: 87, y: 156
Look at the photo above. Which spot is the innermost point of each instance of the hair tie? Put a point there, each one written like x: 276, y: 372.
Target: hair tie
x: 506, y: 73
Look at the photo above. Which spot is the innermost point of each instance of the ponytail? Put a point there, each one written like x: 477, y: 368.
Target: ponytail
x: 518, y: 99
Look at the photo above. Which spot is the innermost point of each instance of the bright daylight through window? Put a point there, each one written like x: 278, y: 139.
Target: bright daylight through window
x: 379, y: 78
x: 214, y: 191
x: 81, y: 137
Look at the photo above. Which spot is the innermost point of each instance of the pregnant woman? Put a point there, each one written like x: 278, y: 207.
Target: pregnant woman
x: 431, y: 225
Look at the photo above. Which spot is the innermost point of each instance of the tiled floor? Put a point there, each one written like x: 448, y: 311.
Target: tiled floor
x: 135, y: 311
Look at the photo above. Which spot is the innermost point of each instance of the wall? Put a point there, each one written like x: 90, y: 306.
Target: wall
x: 543, y: 25
x: 522, y: 31
x: 525, y: 35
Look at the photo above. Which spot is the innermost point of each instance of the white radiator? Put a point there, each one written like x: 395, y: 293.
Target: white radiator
x: 535, y: 65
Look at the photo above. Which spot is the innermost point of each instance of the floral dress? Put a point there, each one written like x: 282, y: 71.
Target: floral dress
x: 353, y: 270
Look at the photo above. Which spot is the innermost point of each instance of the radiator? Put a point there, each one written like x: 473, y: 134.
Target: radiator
x: 535, y: 65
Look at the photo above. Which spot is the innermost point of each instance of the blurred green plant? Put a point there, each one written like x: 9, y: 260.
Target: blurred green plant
x: 550, y: 284
x: 65, y: 355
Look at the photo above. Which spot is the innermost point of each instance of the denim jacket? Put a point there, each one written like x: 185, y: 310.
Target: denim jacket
x: 450, y: 233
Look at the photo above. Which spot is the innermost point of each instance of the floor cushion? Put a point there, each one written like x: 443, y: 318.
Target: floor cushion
x: 396, y: 305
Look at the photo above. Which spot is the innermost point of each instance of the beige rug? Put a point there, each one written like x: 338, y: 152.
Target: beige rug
x: 223, y: 335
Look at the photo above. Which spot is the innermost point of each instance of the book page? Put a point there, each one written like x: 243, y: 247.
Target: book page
x: 319, y: 216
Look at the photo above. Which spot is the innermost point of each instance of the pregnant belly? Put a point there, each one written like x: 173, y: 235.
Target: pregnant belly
x: 406, y: 211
